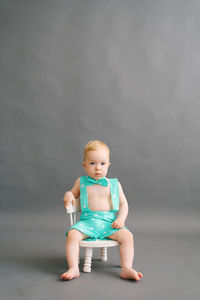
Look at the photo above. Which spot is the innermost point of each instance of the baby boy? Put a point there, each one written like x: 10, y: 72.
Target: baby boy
x: 100, y: 198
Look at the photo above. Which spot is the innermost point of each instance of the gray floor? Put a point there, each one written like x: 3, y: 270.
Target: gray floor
x: 167, y: 251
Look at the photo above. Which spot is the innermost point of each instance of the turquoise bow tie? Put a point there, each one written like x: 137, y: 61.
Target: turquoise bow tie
x: 91, y: 181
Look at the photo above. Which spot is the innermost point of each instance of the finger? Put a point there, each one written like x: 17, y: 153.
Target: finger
x: 67, y: 204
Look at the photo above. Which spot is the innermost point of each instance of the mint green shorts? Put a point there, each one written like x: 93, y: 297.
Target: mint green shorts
x: 96, y: 224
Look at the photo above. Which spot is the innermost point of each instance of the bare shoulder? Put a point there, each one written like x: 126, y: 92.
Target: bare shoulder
x: 77, y: 181
x: 120, y: 186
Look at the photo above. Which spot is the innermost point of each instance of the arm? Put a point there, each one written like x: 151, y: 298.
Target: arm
x: 73, y: 194
x: 123, y: 210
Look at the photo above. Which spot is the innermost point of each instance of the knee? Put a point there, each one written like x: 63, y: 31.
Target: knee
x: 73, y: 234
x: 127, y: 237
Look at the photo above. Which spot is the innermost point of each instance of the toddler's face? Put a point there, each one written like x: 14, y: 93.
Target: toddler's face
x: 96, y: 163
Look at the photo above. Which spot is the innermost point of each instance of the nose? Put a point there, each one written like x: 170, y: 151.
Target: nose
x: 98, y: 167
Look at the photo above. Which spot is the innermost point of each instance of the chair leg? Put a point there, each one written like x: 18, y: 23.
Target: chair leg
x: 103, y: 253
x: 88, y: 260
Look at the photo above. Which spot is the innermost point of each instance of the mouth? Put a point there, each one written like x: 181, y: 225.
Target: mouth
x: 97, y: 174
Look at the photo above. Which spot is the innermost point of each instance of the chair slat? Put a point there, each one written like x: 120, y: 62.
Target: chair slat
x: 71, y: 219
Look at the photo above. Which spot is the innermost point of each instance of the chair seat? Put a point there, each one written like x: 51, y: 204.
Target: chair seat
x: 99, y: 243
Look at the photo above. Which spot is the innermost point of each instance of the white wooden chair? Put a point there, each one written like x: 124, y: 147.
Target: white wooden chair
x: 89, y: 245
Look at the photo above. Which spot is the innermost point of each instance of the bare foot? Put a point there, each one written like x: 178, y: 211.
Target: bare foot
x: 70, y: 274
x: 129, y: 273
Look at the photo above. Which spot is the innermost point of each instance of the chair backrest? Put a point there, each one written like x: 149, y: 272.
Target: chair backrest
x: 72, y: 211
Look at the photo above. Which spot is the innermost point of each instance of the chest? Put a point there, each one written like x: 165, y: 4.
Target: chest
x: 98, y: 191
x: 99, y: 197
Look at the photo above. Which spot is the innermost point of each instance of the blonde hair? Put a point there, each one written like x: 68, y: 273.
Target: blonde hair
x: 94, y: 145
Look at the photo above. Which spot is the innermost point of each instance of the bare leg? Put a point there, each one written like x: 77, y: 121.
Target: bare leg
x: 72, y: 253
x: 126, y: 241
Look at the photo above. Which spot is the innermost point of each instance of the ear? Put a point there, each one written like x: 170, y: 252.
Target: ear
x: 109, y: 164
x: 84, y: 164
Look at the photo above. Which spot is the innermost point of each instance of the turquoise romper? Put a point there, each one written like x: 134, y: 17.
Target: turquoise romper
x: 97, y: 224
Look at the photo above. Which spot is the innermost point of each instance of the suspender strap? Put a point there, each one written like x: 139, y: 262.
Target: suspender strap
x: 114, y: 190
x: 83, y: 194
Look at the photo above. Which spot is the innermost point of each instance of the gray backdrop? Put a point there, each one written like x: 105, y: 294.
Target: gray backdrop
x: 126, y: 72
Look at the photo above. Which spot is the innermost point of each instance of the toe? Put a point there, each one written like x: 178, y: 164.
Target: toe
x: 140, y: 274
x: 64, y: 276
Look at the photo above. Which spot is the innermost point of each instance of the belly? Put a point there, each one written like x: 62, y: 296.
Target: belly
x: 99, y: 204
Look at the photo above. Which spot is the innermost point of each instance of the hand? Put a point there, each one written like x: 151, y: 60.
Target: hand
x: 68, y: 199
x: 118, y: 223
